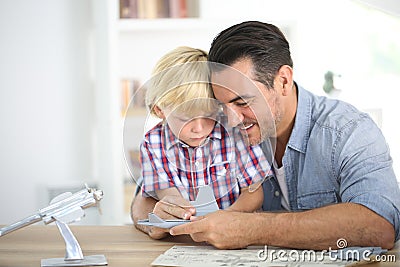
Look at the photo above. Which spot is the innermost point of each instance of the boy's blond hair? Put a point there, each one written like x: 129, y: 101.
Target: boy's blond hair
x: 180, y: 82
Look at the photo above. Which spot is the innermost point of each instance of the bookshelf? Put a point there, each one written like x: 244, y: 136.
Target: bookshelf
x: 155, y: 9
x: 128, y: 49
x: 122, y: 53
x: 162, y: 24
x: 140, y: 43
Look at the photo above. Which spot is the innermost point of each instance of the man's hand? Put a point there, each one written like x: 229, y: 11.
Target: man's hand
x: 222, y: 229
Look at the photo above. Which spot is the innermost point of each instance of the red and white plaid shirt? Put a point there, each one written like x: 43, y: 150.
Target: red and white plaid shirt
x: 224, y: 161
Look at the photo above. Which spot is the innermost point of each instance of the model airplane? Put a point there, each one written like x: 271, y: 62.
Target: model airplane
x: 63, y: 209
x: 66, y: 208
x: 205, y: 203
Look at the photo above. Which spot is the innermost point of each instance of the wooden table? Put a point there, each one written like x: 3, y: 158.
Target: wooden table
x: 122, y: 245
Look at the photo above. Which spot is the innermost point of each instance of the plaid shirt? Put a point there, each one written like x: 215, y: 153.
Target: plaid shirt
x: 224, y: 161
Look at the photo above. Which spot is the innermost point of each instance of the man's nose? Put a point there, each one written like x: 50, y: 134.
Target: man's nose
x: 235, y: 117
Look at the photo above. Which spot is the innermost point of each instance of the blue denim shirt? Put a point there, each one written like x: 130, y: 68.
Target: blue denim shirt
x: 336, y: 154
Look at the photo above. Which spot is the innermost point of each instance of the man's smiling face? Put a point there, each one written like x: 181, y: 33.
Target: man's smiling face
x: 248, y: 104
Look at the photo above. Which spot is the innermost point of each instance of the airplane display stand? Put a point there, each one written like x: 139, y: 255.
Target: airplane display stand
x: 73, y: 252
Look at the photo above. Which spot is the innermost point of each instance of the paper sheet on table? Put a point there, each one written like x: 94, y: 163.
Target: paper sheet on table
x: 210, y: 256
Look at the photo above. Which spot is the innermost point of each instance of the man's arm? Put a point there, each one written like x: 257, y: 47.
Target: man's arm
x: 314, y: 229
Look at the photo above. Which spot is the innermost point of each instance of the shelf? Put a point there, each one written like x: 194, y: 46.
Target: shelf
x: 164, y: 24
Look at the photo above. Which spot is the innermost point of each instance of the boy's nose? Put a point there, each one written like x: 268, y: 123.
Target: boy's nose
x: 197, y: 125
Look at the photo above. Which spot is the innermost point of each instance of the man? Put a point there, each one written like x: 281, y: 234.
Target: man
x: 331, y: 162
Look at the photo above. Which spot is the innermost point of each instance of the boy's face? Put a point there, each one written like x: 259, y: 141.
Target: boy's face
x: 191, y: 130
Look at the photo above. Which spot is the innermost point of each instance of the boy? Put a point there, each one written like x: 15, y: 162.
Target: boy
x: 191, y: 147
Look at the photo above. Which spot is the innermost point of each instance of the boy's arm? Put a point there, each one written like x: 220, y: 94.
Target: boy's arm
x: 254, y: 169
x: 140, y: 208
x: 248, y: 201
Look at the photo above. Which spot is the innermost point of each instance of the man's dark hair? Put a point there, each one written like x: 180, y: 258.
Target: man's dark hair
x: 264, y: 44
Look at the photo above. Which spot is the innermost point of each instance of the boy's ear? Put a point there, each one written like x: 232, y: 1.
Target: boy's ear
x: 159, y: 112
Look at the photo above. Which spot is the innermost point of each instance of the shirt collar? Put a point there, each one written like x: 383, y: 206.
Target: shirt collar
x: 302, y: 125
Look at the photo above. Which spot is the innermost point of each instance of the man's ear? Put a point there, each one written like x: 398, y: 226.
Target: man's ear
x: 159, y: 112
x: 285, y: 79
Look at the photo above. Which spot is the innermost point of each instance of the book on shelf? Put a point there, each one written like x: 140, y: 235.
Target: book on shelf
x: 132, y: 95
x: 153, y: 9
x: 177, y: 9
x: 128, y: 9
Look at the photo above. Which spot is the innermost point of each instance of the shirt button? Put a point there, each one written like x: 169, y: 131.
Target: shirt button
x: 277, y: 193
x: 197, y: 163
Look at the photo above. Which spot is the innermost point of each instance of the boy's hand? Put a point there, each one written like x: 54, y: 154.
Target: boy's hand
x: 172, y: 206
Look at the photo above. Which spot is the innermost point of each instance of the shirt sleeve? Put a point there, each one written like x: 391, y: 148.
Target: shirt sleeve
x: 252, y: 165
x: 154, y: 173
x: 366, y: 172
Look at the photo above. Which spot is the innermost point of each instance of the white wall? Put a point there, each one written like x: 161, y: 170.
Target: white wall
x: 353, y: 39
x: 46, y: 107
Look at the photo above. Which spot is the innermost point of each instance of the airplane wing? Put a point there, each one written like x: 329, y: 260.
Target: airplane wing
x: 156, y: 221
